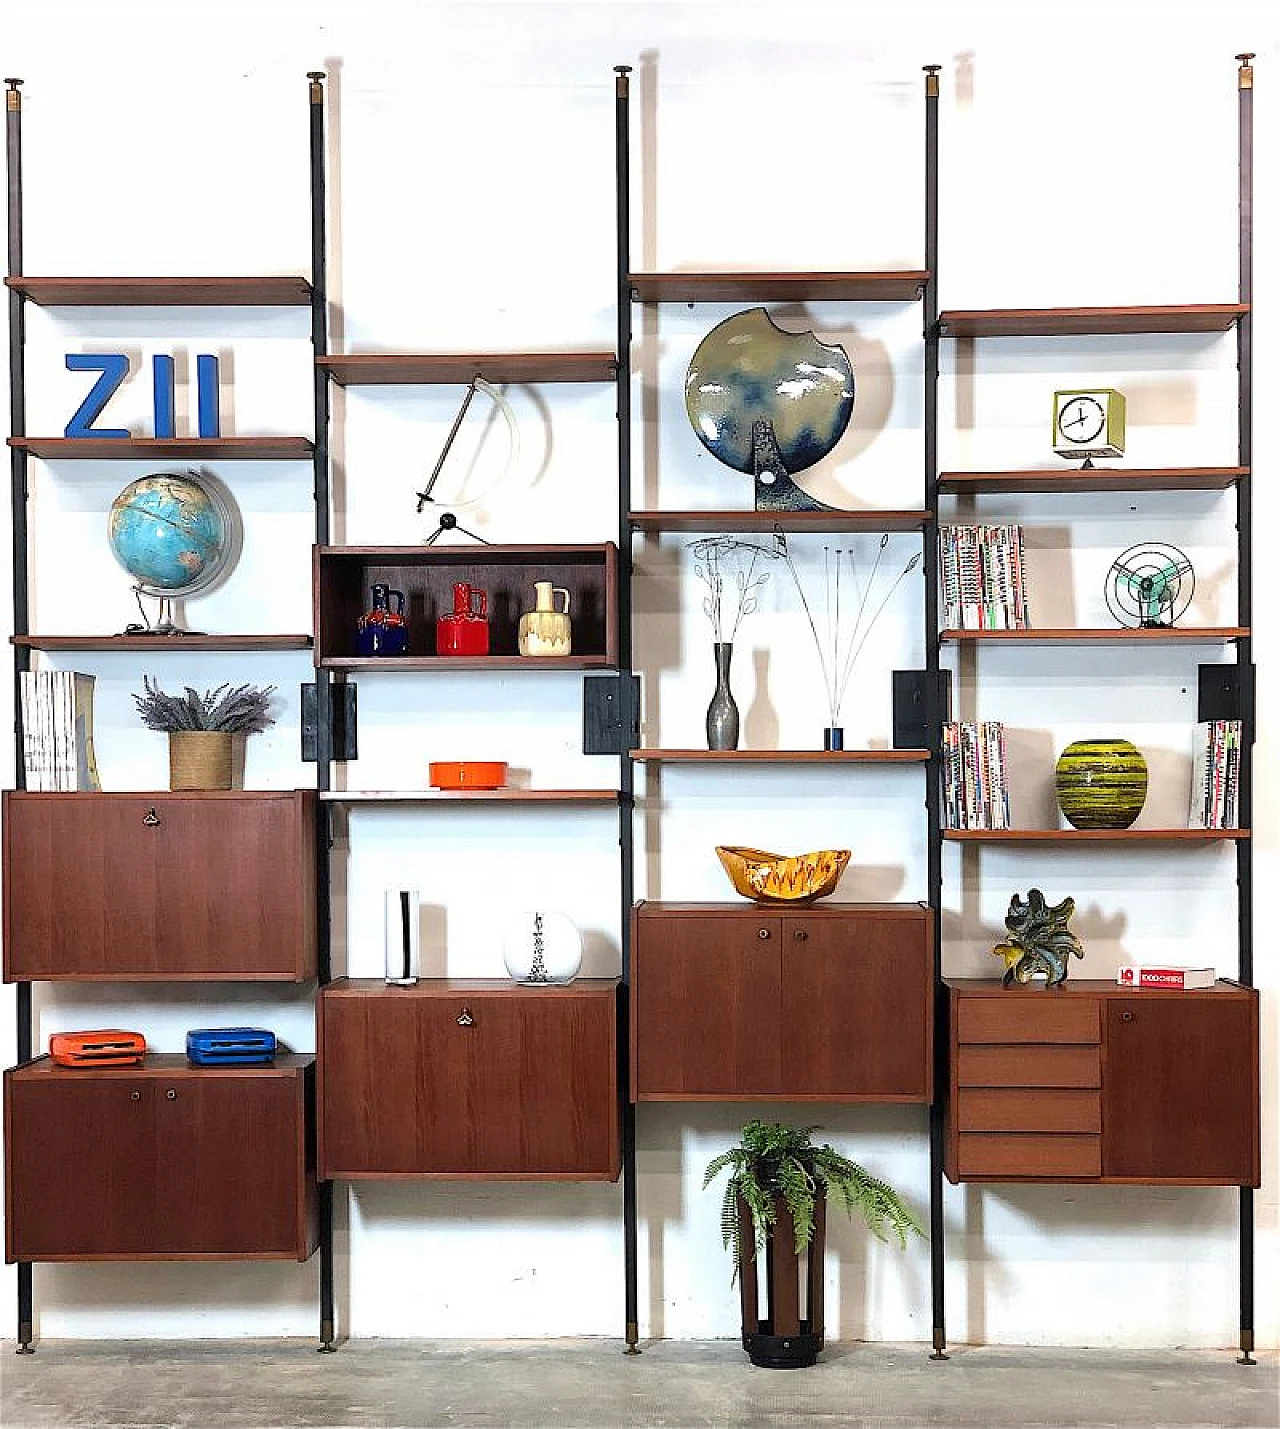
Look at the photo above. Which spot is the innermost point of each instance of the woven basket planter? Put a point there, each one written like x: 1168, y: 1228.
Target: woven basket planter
x: 201, y: 759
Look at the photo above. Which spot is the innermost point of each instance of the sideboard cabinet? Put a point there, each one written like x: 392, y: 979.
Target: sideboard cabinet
x: 458, y: 1078
x: 159, y: 886
x: 831, y: 1002
x: 154, y: 1163
x: 1096, y: 1082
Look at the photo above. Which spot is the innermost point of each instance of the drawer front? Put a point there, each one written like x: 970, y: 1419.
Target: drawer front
x: 1026, y: 1017
x: 1028, y: 1066
x: 1028, y: 1156
x: 1028, y: 1109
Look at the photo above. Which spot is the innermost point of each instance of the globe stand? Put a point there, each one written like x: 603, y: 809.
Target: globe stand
x: 164, y: 623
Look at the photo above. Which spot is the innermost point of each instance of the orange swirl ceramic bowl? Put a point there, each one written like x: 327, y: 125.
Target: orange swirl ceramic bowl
x: 778, y: 878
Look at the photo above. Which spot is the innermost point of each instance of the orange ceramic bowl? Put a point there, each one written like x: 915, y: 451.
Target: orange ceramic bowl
x: 469, y: 774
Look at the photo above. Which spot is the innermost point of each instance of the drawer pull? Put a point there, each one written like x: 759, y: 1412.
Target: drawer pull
x: 800, y: 935
x: 171, y: 1095
x: 465, y: 1018
x: 762, y: 934
x: 151, y: 818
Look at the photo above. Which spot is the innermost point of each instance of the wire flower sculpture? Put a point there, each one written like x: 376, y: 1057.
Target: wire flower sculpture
x: 731, y: 570
x: 847, y: 614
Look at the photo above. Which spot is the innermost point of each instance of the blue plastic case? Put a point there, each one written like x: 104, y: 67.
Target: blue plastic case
x: 230, y: 1046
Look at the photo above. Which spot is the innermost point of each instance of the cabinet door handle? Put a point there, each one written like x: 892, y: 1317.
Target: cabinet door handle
x: 800, y: 935
x: 151, y: 818
x: 171, y: 1095
x: 465, y: 1018
x: 763, y: 934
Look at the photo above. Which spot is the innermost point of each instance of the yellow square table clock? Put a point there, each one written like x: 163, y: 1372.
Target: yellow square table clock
x: 1088, y: 422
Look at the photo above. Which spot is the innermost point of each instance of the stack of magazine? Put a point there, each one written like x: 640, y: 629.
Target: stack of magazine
x: 983, y: 586
x: 1215, y: 775
x: 57, y: 730
x: 975, y: 793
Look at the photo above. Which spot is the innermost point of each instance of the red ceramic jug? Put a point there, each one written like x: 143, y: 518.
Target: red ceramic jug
x: 466, y: 631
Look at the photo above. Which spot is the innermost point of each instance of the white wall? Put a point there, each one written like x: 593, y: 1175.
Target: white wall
x: 471, y: 193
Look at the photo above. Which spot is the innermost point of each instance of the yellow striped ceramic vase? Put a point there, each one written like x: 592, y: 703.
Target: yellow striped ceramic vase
x: 1101, y: 783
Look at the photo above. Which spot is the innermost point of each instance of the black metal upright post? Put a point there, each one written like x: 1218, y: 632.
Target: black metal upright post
x: 324, y: 720
x: 626, y: 772
x: 934, y: 713
x: 21, y: 602
x: 1244, y: 647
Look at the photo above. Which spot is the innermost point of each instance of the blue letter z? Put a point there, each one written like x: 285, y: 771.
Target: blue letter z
x: 114, y: 367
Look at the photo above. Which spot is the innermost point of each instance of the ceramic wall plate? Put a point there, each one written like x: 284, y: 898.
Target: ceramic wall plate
x: 748, y: 369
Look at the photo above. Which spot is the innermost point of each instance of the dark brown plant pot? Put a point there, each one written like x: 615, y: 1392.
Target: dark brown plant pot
x: 783, y: 1337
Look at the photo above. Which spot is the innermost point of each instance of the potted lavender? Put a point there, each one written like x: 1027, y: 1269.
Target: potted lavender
x: 204, y: 729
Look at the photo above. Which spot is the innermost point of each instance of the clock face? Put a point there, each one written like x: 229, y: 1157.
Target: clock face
x: 1081, y: 419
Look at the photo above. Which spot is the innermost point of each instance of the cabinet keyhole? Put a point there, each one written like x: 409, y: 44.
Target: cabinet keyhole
x: 135, y: 1096
x: 763, y: 935
x: 1126, y: 1017
x: 151, y: 818
x: 465, y: 1018
x: 171, y: 1095
x: 800, y: 935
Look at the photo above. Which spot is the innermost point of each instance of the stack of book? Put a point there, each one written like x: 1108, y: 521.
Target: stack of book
x: 57, y: 730
x: 975, y: 792
x: 983, y: 586
x: 1215, y: 775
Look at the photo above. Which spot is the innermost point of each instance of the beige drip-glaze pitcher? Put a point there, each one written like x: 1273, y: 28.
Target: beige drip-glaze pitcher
x: 545, y: 630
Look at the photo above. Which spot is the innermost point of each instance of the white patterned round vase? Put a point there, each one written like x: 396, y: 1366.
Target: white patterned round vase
x: 541, y: 946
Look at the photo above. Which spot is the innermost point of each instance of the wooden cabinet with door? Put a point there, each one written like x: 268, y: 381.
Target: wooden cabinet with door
x: 159, y: 1162
x: 173, y: 887
x: 831, y: 1002
x: 469, y: 1078
x: 1096, y: 1082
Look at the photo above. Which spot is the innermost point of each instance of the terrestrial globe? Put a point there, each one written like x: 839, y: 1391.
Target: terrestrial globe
x: 175, y: 534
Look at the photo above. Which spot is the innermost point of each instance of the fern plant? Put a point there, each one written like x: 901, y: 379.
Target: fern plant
x: 774, y: 1163
x: 242, y: 710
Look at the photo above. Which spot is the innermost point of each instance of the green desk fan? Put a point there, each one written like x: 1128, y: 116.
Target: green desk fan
x: 1150, y: 586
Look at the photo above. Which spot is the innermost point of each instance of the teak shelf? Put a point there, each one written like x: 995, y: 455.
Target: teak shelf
x: 163, y: 644
x: 1022, y: 836
x: 250, y: 292
x: 1063, y: 480
x: 1167, y: 634
x: 1090, y: 322
x: 356, y: 369
x: 780, y: 756
x: 891, y: 286
x: 176, y: 448
x: 790, y: 521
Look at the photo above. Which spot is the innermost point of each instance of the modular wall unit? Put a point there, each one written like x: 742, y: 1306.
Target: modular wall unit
x: 1090, y: 1082
x: 197, y: 890
x: 732, y: 1000
x: 453, y: 1077
x: 855, y: 1002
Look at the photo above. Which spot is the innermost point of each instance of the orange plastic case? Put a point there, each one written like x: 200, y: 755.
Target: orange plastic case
x: 109, y: 1048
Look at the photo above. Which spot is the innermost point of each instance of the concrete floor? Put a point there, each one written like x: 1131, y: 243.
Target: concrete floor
x: 590, y: 1384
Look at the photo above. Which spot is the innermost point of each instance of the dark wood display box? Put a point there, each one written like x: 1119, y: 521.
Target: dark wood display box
x: 427, y: 574
x: 160, y: 1162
